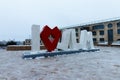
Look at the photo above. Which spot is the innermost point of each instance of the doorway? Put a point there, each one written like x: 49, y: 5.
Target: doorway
x: 110, y: 36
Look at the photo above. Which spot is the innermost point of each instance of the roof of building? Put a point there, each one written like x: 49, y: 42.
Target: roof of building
x: 93, y: 22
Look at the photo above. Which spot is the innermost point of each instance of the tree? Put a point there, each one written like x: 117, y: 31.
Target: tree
x: 11, y: 43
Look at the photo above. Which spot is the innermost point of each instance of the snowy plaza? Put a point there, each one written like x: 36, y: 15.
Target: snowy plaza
x: 100, y: 65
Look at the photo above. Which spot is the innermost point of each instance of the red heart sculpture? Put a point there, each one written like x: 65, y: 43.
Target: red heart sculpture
x: 50, y: 43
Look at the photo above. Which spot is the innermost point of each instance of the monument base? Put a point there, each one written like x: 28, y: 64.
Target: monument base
x: 51, y: 54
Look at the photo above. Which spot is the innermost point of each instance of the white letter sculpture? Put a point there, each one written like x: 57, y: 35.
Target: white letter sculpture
x: 68, y: 40
x: 35, y: 38
x: 86, y: 40
x: 65, y: 40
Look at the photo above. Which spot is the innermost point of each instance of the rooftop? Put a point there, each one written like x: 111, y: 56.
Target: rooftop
x: 93, y: 22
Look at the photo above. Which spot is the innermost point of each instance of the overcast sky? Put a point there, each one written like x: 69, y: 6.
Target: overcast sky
x: 17, y: 16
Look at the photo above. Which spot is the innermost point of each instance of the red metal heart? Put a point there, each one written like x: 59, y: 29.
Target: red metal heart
x: 50, y: 44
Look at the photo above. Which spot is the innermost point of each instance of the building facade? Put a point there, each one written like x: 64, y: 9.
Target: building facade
x: 107, y: 31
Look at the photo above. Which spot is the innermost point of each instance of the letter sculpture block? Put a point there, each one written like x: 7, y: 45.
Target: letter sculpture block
x: 63, y: 45
x: 73, y: 43
x: 50, y: 37
x: 68, y: 40
x: 35, y: 38
x: 90, y: 41
x: 86, y: 41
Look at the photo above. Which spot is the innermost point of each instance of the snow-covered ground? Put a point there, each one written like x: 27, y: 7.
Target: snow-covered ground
x: 103, y: 65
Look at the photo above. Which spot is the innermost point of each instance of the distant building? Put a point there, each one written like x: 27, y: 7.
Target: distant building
x: 27, y: 42
x: 3, y: 42
x: 19, y: 43
x: 106, y: 31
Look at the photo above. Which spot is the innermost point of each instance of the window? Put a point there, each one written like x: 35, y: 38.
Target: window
x: 118, y: 40
x: 110, y: 25
x: 101, y: 39
x: 77, y: 40
x: 118, y: 31
x: 76, y: 30
x: 94, y: 32
x: 101, y: 32
x: 94, y: 39
x: 98, y: 27
x: 76, y: 34
x: 118, y: 24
